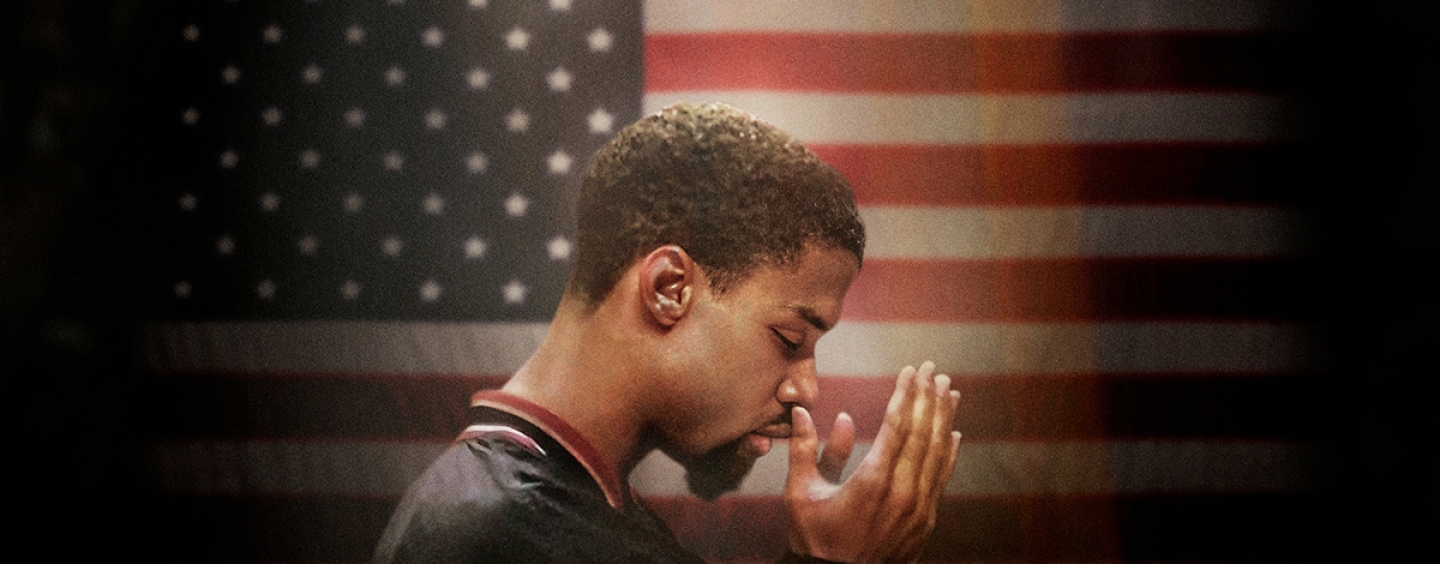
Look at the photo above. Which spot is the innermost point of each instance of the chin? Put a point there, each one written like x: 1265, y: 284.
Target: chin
x: 719, y: 471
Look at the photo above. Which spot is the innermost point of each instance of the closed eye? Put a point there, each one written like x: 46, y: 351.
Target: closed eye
x: 790, y: 346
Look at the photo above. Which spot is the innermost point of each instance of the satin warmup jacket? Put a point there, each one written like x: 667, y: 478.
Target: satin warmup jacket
x: 522, y: 486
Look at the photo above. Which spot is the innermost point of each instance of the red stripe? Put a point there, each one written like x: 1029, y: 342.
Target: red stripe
x: 1076, y: 407
x: 945, y: 175
x: 939, y: 63
x: 1009, y: 409
x: 1067, y: 290
x: 1014, y: 407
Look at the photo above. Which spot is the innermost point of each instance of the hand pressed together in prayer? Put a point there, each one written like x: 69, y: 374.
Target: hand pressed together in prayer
x: 886, y: 509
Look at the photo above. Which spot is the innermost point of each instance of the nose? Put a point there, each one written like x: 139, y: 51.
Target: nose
x: 801, y: 385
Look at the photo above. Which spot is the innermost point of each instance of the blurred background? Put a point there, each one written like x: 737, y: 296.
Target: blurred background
x: 255, y: 257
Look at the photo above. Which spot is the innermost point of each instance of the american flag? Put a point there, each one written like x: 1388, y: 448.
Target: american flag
x: 1087, y: 212
x: 390, y: 161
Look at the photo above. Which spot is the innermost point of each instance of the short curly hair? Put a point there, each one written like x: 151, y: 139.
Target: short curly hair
x: 732, y: 190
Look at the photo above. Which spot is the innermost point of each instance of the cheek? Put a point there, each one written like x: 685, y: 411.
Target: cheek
x: 731, y: 365
x: 717, y: 348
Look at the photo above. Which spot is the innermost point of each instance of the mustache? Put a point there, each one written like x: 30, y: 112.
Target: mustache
x: 784, y: 417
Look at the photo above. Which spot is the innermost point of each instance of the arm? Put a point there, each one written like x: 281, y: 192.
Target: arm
x: 884, y: 512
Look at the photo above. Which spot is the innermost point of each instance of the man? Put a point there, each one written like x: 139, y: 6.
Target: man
x: 714, y: 250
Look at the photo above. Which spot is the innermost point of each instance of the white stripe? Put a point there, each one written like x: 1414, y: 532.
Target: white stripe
x: 820, y: 118
x: 968, y: 16
x: 878, y: 349
x: 387, y: 468
x: 1077, y: 232
x: 853, y: 348
x: 347, y: 347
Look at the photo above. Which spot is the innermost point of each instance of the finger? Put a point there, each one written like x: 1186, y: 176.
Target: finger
x: 893, y: 429
x: 903, y: 505
x: 837, y: 448
x: 954, y: 450
x: 954, y: 435
x: 804, y: 443
x: 912, y: 456
x: 933, y: 471
x: 954, y: 454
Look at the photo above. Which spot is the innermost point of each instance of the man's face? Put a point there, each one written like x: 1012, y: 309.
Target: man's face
x: 748, y: 357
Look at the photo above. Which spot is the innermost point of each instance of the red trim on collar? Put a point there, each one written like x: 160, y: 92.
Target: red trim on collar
x: 604, y: 474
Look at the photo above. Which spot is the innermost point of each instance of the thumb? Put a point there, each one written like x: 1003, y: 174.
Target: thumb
x: 837, y: 448
x: 804, y: 447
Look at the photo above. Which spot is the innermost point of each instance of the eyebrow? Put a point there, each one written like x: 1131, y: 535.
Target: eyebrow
x: 810, y: 317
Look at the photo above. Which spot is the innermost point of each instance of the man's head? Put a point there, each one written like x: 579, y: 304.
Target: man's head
x: 733, y: 191
x: 714, y: 251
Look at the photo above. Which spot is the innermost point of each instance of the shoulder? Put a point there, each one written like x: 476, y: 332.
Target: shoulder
x: 496, y: 500
x: 475, y: 501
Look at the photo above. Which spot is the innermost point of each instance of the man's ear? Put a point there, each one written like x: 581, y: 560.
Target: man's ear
x: 667, y: 284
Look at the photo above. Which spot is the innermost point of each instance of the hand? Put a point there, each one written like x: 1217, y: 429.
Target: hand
x: 884, y: 512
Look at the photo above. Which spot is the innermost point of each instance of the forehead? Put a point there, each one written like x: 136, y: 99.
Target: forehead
x: 813, y: 288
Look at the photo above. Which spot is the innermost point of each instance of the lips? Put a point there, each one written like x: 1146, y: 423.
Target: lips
x: 778, y: 430
x: 757, y: 443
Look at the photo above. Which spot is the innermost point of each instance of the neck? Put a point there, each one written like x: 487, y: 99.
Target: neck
x: 585, y: 372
